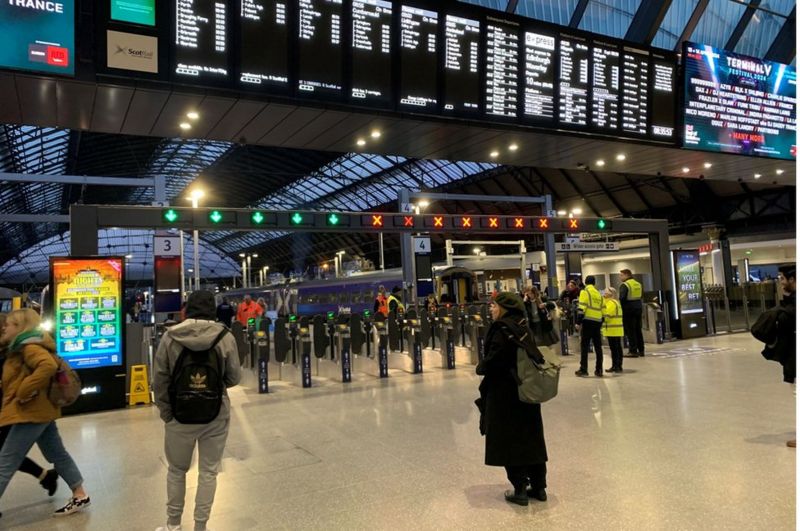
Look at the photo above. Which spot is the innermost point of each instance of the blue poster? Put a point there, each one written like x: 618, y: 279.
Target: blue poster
x: 38, y: 35
x: 738, y: 104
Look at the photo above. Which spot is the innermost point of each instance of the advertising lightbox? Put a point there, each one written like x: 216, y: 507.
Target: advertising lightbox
x: 38, y: 35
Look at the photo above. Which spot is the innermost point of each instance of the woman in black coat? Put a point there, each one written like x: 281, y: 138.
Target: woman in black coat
x: 513, y: 429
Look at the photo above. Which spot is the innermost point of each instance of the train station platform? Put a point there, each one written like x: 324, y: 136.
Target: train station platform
x: 691, y: 436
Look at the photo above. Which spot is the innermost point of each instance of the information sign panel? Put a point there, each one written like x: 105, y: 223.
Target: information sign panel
x: 502, y: 67
x: 201, y: 39
x: 540, y: 59
x: 372, y: 50
x: 418, y: 58
x: 264, y: 44
x: 134, y: 11
x: 573, y: 100
x: 462, y: 83
x: 320, y: 46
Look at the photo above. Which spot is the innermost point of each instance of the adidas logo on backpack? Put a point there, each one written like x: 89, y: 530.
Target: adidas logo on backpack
x: 197, y: 385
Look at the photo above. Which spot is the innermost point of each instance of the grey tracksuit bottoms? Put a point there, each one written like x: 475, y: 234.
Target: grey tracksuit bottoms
x: 179, y: 443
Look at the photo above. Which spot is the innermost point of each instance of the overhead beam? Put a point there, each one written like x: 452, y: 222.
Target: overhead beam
x: 34, y: 218
x: 646, y: 21
x: 77, y: 179
x: 783, y: 48
x: 738, y: 31
x: 577, y: 15
x: 512, y: 6
x: 691, y: 24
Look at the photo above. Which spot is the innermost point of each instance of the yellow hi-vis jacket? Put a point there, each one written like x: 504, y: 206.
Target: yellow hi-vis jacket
x: 590, y: 302
x: 612, y: 318
x: 634, y: 290
x: 400, y: 307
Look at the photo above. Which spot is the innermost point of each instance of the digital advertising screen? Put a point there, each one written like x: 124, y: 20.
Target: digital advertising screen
x: 462, y: 81
x: 372, y: 50
x: 38, y: 36
x: 540, y: 67
x: 134, y: 11
x: 264, y: 49
x: 418, y: 58
x: 688, y: 282
x: 502, y: 67
x: 319, y: 50
x: 605, y: 80
x: 573, y: 99
x: 738, y: 104
x: 87, y: 307
x: 201, y: 39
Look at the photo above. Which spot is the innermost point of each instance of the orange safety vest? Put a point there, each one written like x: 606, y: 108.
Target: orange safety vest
x: 383, y: 304
x: 246, y: 312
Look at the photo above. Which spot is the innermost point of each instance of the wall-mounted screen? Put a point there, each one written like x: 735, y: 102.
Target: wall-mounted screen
x: 201, y: 39
x: 688, y: 282
x: 502, y: 67
x: 573, y: 90
x: 264, y: 41
x: 418, y: 58
x: 635, y: 68
x: 372, y: 50
x: 462, y: 82
x: 38, y: 36
x: 319, y: 46
x: 605, y: 86
x: 738, y: 104
x: 540, y: 67
x: 134, y: 11
x: 662, y: 96
x: 87, y: 301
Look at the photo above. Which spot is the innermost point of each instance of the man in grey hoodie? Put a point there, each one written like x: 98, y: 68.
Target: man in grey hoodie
x: 198, y: 332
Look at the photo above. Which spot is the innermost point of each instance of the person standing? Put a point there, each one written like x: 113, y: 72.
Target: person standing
x: 590, y: 317
x: 225, y: 312
x: 786, y: 345
x: 540, y: 322
x: 394, y: 302
x: 613, y: 328
x: 381, y: 302
x: 514, y: 430
x: 198, y: 333
x: 630, y: 296
x: 27, y: 371
x: 247, y: 310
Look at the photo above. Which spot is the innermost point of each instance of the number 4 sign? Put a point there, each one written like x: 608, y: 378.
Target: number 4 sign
x: 422, y: 245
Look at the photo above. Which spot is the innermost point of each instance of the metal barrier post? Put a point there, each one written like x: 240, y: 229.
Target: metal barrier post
x: 746, y: 306
x: 728, y: 313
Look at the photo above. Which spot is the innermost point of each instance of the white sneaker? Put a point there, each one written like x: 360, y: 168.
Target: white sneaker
x: 74, y: 505
x: 169, y: 528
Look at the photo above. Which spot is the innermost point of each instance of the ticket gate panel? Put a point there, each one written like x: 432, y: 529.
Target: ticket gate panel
x: 382, y: 347
x: 394, y: 332
x: 241, y: 341
x: 424, y: 327
x: 357, y: 337
x: 282, y: 342
x: 262, y: 347
x: 321, y: 341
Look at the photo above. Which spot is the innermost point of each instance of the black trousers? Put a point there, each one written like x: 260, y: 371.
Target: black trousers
x: 523, y: 475
x: 28, y: 466
x: 632, y: 324
x: 615, y: 344
x: 590, y: 333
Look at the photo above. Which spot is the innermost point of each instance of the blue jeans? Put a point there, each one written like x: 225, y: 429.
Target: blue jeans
x: 19, y: 442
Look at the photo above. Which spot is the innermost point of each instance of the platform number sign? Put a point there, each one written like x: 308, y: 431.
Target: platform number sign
x: 167, y: 246
x: 422, y: 245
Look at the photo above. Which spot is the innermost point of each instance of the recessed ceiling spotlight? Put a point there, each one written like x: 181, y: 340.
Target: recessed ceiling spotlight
x: 577, y: 211
x: 621, y: 157
x: 494, y: 154
x: 757, y: 175
x: 361, y: 142
x: 185, y: 126
x: 375, y: 134
x: 600, y: 162
x: 192, y: 115
x: 779, y: 171
x: 562, y: 212
x: 513, y: 147
x: 686, y: 170
x: 707, y: 165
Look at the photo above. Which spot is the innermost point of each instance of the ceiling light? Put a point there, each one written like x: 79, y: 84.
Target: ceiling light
x: 185, y: 126
x: 686, y: 170
x: 192, y: 115
x: 255, y: 255
x: 779, y: 171
x: 600, y: 162
x: 707, y: 165
x: 562, y: 212
x: 361, y: 142
x: 424, y: 204
x: 621, y: 157
x: 757, y: 175
x: 375, y: 134
x: 494, y: 154
x: 242, y: 255
x: 577, y: 211
x: 128, y: 256
x: 513, y: 147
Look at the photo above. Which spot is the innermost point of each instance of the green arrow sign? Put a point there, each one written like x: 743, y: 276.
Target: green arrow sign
x: 333, y: 219
x: 297, y: 219
x: 215, y: 216
x: 171, y: 215
x: 257, y: 218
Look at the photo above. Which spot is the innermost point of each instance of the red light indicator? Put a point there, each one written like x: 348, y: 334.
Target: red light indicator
x: 438, y: 221
x: 544, y: 223
x: 466, y: 223
x: 519, y: 223
x: 377, y: 221
x: 573, y: 224
x: 493, y: 223
x: 408, y: 221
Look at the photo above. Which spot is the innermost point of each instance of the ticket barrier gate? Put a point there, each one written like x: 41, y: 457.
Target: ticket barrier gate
x: 253, y: 334
x: 339, y: 366
x: 368, y: 357
x: 262, y: 353
x: 293, y: 350
x: 476, y: 331
x: 460, y: 325
x: 411, y: 362
x: 382, y: 344
x: 241, y: 341
x: 444, y: 356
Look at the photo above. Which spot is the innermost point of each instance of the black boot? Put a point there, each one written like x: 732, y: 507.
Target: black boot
x: 537, y: 494
x: 518, y: 496
x: 50, y: 482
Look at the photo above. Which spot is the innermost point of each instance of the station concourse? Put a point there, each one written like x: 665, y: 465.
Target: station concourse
x: 341, y: 251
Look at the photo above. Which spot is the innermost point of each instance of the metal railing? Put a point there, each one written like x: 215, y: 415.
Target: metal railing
x: 737, y: 310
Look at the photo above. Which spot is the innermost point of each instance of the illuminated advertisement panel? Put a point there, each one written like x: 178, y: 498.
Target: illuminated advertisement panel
x: 738, y: 104
x: 87, y: 304
x: 38, y: 36
x: 689, y: 286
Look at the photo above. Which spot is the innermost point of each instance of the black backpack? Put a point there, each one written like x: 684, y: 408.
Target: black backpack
x: 765, y: 329
x: 197, y: 385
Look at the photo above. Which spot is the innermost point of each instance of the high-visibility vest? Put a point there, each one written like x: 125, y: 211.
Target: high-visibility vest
x: 400, y: 307
x: 612, y: 318
x: 383, y: 304
x: 590, y: 302
x: 634, y: 290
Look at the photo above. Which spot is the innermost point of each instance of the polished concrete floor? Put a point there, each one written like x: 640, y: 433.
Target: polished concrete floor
x: 692, y: 437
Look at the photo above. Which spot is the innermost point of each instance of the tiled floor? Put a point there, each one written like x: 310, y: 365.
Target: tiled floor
x: 682, y: 440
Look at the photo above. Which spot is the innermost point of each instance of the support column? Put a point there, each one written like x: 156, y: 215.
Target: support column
x: 660, y: 262
x: 406, y: 247
x: 83, y: 230
x: 550, y: 253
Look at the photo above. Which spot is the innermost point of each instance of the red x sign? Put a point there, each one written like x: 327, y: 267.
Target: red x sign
x: 466, y: 223
x: 573, y: 224
x: 377, y: 221
x: 493, y: 223
x: 408, y: 221
x: 543, y: 223
x: 438, y: 221
x: 519, y: 223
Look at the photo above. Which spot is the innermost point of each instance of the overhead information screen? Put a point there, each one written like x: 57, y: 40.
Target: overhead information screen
x: 662, y: 85
x: 540, y: 58
x: 462, y: 90
x: 201, y: 40
x: 605, y: 86
x: 502, y: 67
x: 320, y: 46
x: 33, y: 38
x: 738, y: 104
x: 418, y: 57
x: 372, y: 50
x: 635, y: 69
x: 265, y: 38
x: 573, y: 100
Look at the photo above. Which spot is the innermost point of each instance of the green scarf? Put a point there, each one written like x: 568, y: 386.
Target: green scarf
x: 16, y: 345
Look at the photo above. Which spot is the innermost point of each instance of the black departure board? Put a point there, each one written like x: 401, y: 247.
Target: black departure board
x: 265, y: 40
x: 372, y: 50
x: 418, y: 58
x: 605, y: 86
x: 319, y: 46
x: 462, y: 82
x: 635, y: 70
x: 573, y: 99
x: 201, y: 39
x: 662, y: 87
x: 502, y: 67
x: 540, y: 63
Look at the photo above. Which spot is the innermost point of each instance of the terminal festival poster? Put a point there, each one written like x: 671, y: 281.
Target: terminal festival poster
x: 690, y: 289
x: 739, y: 104
x: 87, y: 302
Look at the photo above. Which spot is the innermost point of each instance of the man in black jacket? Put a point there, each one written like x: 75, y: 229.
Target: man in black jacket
x: 786, y: 345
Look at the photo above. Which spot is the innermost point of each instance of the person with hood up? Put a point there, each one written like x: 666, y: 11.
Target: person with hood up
x: 513, y: 429
x: 199, y: 332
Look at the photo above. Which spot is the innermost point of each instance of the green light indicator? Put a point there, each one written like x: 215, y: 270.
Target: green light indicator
x: 292, y: 318
x: 171, y: 215
x: 331, y: 315
x: 297, y: 218
x: 215, y: 216
x: 257, y: 218
x: 601, y: 224
x: 333, y: 219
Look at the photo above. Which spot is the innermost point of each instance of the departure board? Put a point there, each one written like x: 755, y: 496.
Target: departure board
x: 662, y: 88
x: 502, y: 67
x: 372, y: 50
x: 635, y: 68
x: 573, y: 99
x: 605, y: 86
x: 462, y: 82
x: 418, y: 58
x: 319, y: 46
x: 201, y: 38
x: 540, y: 54
x: 264, y: 44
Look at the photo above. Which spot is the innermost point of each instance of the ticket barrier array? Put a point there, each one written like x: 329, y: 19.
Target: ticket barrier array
x: 475, y: 324
x: 410, y: 326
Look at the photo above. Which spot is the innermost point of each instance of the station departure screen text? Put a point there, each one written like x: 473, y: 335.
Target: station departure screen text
x: 264, y: 48
x: 502, y: 67
x: 573, y: 101
x: 372, y: 50
x: 540, y: 56
x: 201, y: 38
x: 605, y: 86
x: 320, y: 46
x: 635, y: 70
x: 462, y: 92
x: 662, y: 88
x: 418, y: 58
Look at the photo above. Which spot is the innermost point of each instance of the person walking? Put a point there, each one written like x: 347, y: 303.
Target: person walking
x: 590, y: 317
x: 225, y: 312
x: 612, y: 328
x: 514, y: 430
x: 786, y: 345
x: 630, y: 296
x: 188, y: 340
x: 27, y: 371
x: 381, y: 302
x: 248, y: 309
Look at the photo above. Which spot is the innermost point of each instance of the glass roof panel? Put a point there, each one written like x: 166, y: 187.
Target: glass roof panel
x: 182, y: 161
x: 717, y: 23
x: 763, y: 27
x: 609, y: 17
x: 674, y: 23
x: 555, y: 11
